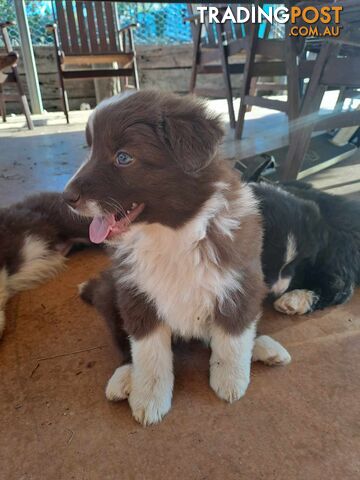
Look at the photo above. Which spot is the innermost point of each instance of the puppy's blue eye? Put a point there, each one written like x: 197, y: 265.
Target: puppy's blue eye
x: 123, y: 159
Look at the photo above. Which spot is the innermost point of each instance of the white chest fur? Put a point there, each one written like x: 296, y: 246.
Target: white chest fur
x: 179, y: 270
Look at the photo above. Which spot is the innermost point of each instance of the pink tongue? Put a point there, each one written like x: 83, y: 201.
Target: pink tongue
x: 100, y: 228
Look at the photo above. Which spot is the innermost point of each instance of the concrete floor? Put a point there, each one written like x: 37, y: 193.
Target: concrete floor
x: 295, y: 422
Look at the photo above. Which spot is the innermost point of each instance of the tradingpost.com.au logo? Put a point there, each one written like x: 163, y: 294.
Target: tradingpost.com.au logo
x: 305, y: 21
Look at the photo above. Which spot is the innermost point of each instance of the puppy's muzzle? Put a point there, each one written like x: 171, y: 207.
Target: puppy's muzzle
x: 71, y: 196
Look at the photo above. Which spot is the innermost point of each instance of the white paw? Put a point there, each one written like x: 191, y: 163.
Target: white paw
x: 119, y: 385
x: 296, y: 302
x: 269, y: 351
x: 149, y: 405
x: 228, y: 382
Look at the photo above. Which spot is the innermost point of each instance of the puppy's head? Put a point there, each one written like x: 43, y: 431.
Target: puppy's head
x: 151, y: 159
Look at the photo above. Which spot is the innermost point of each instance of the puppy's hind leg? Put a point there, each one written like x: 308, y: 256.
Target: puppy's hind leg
x: 100, y: 292
x: 269, y: 351
x: 4, y: 295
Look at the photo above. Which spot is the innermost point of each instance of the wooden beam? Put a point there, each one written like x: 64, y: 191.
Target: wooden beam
x: 121, y: 58
x: 340, y: 120
x: 266, y: 103
x: 120, y: 72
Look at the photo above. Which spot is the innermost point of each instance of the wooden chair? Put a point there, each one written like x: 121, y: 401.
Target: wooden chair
x: 86, y: 34
x: 228, y: 48
x: 337, y: 66
x: 281, y: 55
x: 10, y: 75
x: 210, y: 55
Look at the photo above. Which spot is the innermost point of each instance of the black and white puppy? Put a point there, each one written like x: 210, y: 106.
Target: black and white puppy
x: 311, y: 253
x: 35, y: 236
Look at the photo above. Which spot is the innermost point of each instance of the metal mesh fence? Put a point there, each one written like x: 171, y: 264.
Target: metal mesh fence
x: 158, y: 23
x: 39, y: 14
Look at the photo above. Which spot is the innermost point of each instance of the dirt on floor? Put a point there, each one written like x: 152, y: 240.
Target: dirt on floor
x: 295, y: 422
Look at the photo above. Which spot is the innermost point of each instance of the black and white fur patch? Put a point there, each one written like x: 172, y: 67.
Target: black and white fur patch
x: 35, y: 236
x: 311, y: 250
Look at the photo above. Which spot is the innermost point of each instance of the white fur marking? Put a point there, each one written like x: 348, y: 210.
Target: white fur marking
x: 177, y: 268
x: 291, y: 251
x: 281, y: 285
x: 92, y: 208
x: 296, y: 302
x: 269, y: 351
x: 39, y: 264
x: 230, y: 362
x: 152, y: 377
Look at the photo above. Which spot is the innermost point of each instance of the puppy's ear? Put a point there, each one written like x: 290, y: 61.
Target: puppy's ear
x: 191, y: 133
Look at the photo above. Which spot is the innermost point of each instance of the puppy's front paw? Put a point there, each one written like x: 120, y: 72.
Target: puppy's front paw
x: 150, y: 405
x: 228, y: 381
x: 296, y: 302
x: 270, y: 352
x: 119, y: 385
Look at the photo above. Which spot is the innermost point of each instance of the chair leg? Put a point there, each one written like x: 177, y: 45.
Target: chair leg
x: 23, y: 99
x: 133, y: 50
x: 27, y: 113
x: 136, y: 74
x: 2, y: 106
x: 226, y: 75
x: 292, y: 74
x: 64, y: 97
x: 195, y: 57
x: 253, y: 91
x: 340, y: 100
x: 301, y: 135
x: 193, y: 78
x: 248, y: 69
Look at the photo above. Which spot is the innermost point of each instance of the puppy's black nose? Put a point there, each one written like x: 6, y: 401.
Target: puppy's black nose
x: 71, y: 197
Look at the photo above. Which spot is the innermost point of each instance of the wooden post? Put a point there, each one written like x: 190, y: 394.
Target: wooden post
x: 28, y: 57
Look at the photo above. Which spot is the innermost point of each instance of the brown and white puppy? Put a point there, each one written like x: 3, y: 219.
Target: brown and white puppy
x: 187, y: 240
x: 35, y: 236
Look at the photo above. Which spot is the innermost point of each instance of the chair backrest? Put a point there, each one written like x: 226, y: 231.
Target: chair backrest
x: 209, y: 36
x: 87, y: 27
